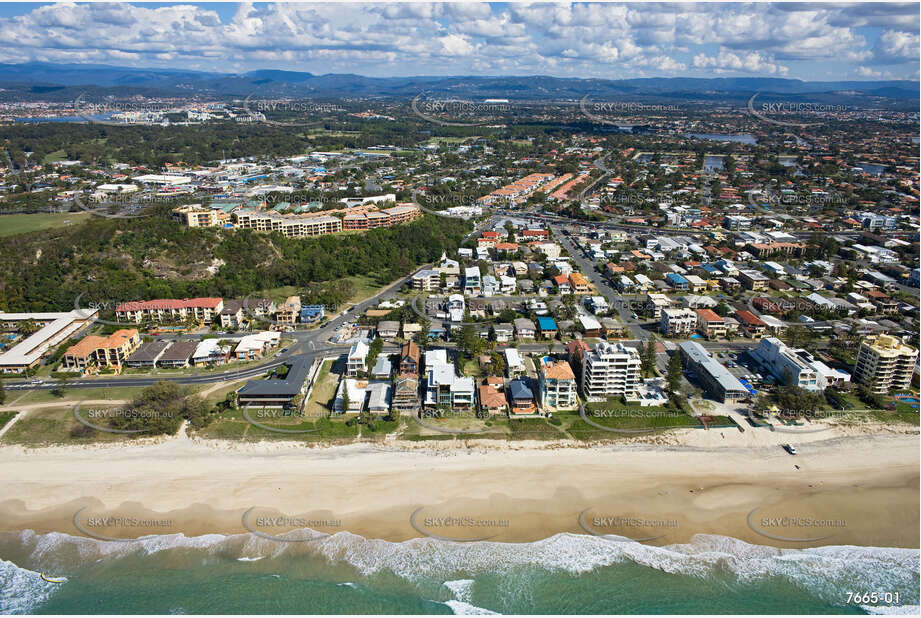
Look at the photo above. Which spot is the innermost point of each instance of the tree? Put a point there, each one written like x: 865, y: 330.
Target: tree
x: 345, y: 398
x: 648, y: 365
x: 2, y: 394
x: 675, y: 370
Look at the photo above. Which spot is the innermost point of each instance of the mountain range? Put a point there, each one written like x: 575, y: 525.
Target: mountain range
x: 68, y: 80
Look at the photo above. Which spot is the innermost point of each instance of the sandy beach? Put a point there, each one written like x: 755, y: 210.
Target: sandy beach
x: 859, y: 490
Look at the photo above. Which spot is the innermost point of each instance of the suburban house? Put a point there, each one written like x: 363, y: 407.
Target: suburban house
x: 443, y: 387
x: 524, y: 328
x: 355, y: 362
x: 410, y: 356
x: 388, y: 329
x: 491, y: 400
x: 405, y: 393
x: 521, y: 397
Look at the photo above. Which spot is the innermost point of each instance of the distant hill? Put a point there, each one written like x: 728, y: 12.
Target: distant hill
x: 38, y: 78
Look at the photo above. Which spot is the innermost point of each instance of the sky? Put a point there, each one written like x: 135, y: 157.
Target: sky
x: 808, y: 41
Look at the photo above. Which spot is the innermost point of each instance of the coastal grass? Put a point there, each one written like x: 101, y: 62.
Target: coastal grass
x: 57, y: 426
x: 73, y: 395
x: 324, y: 391
x: 11, y: 225
x: 232, y: 425
x: 6, y: 417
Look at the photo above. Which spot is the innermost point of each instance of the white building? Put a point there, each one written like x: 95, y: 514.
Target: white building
x: 677, y: 322
x: 610, y: 370
x: 355, y: 362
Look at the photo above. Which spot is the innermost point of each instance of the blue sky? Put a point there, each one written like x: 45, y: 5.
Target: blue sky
x: 810, y: 41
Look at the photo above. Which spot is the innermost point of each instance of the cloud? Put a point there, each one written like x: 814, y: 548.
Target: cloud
x: 586, y: 39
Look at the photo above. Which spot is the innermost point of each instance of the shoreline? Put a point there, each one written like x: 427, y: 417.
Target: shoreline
x: 859, y: 490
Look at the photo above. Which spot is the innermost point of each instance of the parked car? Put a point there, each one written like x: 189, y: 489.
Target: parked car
x: 789, y: 448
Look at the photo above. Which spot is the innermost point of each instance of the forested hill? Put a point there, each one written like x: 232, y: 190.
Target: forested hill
x: 114, y: 260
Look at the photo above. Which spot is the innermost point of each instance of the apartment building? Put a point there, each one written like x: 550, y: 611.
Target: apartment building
x: 884, y: 363
x: 675, y: 322
x: 289, y: 311
x: 426, y: 280
x: 290, y: 227
x: 204, y: 310
x: 710, y: 324
x: 557, y: 386
x: 791, y: 367
x: 610, y: 370
x: 472, y: 283
x: 656, y: 303
x: 111, y: 351
x: 193, y: 215
x: 579, y: 283
x: 405, y: 393
x: 753, y: 280
x: 750, y: 324
x: 381, y: 218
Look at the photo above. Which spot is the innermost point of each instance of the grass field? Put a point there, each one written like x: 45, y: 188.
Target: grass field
x: 6, y: 417
x: 324, y: 389
x: 50, y: 426
x: 77, y: 394
x: 10, y: 225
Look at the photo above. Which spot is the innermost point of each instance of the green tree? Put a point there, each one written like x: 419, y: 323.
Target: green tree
x: 648, y: 365
x: 2, y: 394
x: 675, y: 369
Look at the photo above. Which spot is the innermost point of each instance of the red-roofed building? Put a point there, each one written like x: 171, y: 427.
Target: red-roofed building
x: 751, y: 325
x: 170, y: 310
x: 710, y: 324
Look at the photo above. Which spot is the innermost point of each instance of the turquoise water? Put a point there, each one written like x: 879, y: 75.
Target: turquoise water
x: 346, y: 573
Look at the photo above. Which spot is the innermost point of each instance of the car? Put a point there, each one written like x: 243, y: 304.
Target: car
x: 634, y: 316
x: 283, y: 350
x: 36, y: 381
x: 789, y: 448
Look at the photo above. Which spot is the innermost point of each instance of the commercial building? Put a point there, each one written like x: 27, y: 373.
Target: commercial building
x: 717, y: 380
x: 884, y: 363
x: 54, y: 329
x: 276, y: 392
x: 610, y: 370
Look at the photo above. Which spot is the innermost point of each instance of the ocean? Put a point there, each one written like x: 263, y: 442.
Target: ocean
x: 348, y: 574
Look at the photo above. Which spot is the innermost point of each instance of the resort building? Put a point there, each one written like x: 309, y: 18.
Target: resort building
x: 796, y: 367
x: 53, y: 330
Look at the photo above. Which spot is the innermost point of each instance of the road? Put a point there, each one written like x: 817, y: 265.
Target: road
x: 309, y: 345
